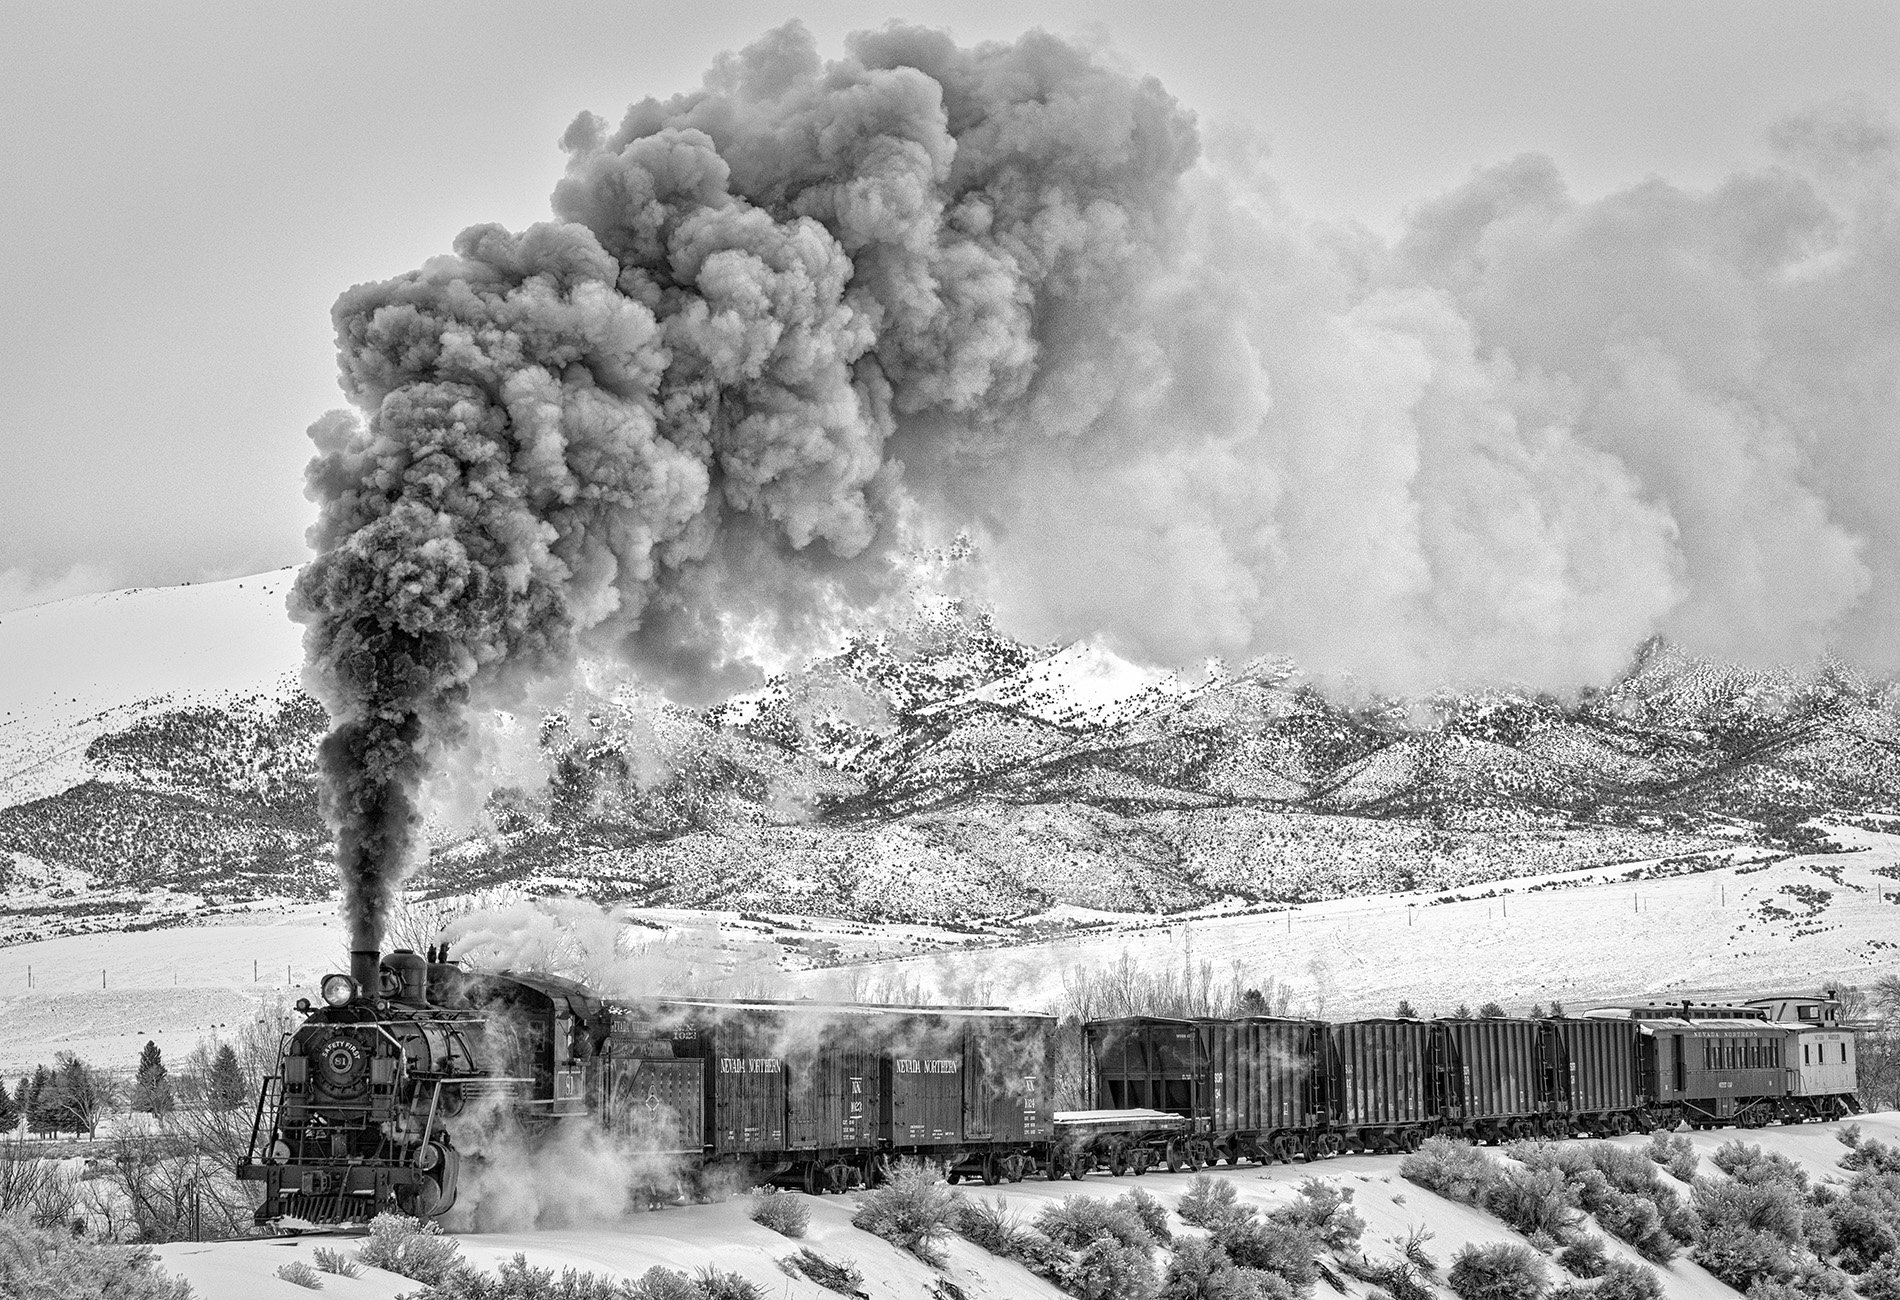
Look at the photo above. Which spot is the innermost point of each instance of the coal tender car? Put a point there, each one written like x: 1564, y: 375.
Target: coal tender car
x: 385, y: 1090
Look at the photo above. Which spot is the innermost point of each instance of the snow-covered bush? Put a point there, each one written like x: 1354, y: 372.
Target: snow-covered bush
x: 989, y: 1224
x: 1152, y: 1213
x: 411, y: 1247
x: 1201, y: 1270
x: 1079, y: 1221
x: 298, y: 1273
x: 334, y: 1261
x: 1622, y: 1189
x: 38, y: 1262
x: 1327, y: 1210
x: 1676, y: 1153
x: 1499, y: 1271
x: 659, y: 1283
x: 1585, y: 1257
x: 1454, y: 1169
x: 1109, y: 1270
x: 715, y: 1284
x: 1207, y: 1202
x: 913, y: 1211
x: 1284, y: 1249
x: 1623, y: 1280
x: 1747, y: 1163
x: 783, y: 1212
x: 827, y: 1273
x: 1749, y: 1231
x: 1533, y: 1201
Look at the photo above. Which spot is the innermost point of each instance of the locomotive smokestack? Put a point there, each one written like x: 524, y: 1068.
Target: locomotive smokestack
x: 365, y: 969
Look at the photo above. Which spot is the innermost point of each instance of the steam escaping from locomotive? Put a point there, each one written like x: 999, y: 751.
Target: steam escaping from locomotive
x: 787, y: 328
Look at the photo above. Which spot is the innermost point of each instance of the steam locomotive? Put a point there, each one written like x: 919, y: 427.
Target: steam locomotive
x: 410, y: 1061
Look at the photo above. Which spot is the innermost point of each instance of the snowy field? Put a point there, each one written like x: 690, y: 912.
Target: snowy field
x: 1582, y: 939
x: 1593, y: 937
x: 689, y: 1237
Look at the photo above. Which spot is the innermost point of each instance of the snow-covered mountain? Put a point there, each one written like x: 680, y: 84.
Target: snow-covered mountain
x: 155, y: 757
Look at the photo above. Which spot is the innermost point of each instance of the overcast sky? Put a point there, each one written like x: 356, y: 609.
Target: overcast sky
x: 188, y: 186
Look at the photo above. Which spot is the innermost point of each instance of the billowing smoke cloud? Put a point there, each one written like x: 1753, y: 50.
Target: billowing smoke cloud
x: 788, y: 326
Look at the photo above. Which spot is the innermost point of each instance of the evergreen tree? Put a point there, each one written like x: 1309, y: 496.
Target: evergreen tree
x: 22, y: 1098
x: 1556, y: 1009
x: 8, y: 1116
x: 1462, y: 1013
x: 40, y: 1116
x: 1490, y: 1011
x: 225, y: 1089
x: 151, y: 1087
x: 81, y: 1095
x: 1537, y: 1011
x: 1405, y: 1011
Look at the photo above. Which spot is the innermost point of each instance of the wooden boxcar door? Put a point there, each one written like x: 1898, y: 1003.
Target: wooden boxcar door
x: 802, y: 1075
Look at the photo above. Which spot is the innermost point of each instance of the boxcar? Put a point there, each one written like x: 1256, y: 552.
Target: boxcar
x: 1502, y: 1077
x: 1385, y: 1083
x: 1266, y: 1086
x: 921, y: 1072
x: 1008, y: 1074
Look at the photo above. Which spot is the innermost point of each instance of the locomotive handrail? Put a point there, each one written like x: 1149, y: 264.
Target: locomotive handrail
x: 257, y: 1117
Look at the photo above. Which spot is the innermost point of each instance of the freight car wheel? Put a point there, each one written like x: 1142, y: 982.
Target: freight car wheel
x: 992, y: 1173
x: 1172, y: 1158
x: 1283, y: 1149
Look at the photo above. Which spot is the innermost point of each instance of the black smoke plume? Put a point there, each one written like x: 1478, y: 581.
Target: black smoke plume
x: 663, y: 422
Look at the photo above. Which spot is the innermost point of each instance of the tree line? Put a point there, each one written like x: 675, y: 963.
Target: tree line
x: 74, y: 1096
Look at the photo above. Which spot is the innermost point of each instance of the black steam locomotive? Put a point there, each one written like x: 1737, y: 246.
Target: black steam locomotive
x: 385, y: 1088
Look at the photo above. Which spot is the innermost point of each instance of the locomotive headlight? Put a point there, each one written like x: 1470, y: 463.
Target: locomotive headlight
x: 338, y: 989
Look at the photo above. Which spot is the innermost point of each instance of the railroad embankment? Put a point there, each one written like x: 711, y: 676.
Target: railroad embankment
x: 1390, y: 1211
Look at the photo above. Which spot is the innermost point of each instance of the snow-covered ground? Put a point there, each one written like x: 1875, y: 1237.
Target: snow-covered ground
x: 1598, y: 936
x: 1602, y: 935
x: 691, y: 1237
x: 66, y: 676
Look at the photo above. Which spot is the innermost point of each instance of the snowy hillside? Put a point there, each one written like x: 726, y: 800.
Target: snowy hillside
x: 155, y: 758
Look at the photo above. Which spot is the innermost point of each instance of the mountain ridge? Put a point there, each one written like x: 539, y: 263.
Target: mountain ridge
x: 155, y: 750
